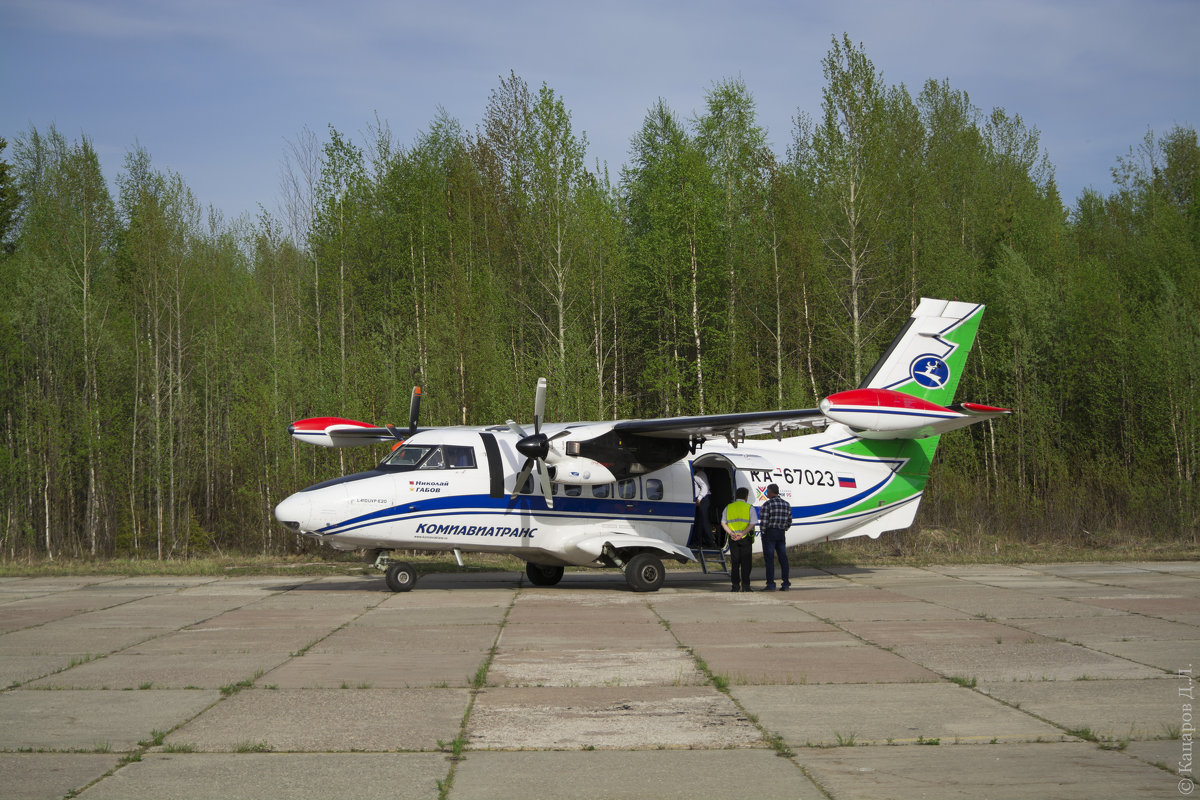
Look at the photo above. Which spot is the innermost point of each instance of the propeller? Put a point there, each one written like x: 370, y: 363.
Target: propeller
x: 414, y: 411
x: 535, y: 447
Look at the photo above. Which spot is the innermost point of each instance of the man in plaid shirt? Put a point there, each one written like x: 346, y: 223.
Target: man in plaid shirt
x: 774, y: 519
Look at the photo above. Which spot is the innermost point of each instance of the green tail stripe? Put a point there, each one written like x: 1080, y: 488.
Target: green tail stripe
x: 909, y: 478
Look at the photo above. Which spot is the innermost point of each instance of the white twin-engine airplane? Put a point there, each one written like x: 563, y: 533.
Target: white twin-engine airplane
x: 620, y: 494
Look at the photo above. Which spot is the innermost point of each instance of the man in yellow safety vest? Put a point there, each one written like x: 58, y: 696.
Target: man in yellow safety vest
x: 739, y: 520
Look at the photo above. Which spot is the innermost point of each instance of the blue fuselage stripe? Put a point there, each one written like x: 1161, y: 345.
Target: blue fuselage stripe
x: 590, y: 510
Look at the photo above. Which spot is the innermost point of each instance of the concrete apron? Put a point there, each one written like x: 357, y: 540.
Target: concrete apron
x: 946, y: 682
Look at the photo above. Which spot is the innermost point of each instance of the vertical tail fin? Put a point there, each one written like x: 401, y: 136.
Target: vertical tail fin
x: 927, y: 358
x: 925, y: 362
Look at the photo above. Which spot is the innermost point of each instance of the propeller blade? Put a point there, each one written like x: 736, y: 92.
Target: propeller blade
x: 539, y: 405
x: 544, y: 480
x: 523, y: 476
x: 515, y: 428
x: 551, y: 455
x: 414, y: 408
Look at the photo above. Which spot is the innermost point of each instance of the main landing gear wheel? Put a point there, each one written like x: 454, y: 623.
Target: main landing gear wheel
x: 644, y: 573
x: 400, y: 577
x: 541, y: 575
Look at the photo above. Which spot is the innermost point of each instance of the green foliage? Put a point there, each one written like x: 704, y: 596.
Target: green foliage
x: 9, y: 201
x: 677, y: 285
x: 152, y: 354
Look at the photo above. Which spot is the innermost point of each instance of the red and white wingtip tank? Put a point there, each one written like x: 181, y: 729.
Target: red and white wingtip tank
x: 888, y: 414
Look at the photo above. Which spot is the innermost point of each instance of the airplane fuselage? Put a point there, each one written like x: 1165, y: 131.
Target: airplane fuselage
x: 622, y: 493
x: 471, y: 509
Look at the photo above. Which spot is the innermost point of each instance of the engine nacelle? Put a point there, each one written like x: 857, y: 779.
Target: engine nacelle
x: 580, y: 470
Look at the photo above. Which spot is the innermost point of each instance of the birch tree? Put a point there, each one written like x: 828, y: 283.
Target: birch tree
x: 846, y: 148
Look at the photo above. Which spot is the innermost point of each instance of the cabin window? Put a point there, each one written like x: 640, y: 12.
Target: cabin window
x: 654, y: 489
x: 601, y: 491
x: 627, y: 489
x: 459, y: 456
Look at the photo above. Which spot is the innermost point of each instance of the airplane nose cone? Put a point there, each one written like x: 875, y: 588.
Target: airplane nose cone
x: 295, y: 512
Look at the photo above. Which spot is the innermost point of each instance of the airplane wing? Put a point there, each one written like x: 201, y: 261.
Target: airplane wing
x: 731, y: 426
x: 871, y: 413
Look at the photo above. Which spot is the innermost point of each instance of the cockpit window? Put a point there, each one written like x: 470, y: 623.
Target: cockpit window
x: 418, y: 456
x: 406, y: 455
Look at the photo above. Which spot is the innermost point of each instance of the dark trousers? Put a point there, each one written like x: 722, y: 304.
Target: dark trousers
x: 739, y: 562
x: 702, y: 535
x: 774, y: 543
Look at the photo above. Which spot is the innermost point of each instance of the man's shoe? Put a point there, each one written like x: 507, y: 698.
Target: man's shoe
x: 784, y: 588
x: 747, y: 589
x: 770, y: 587
x: 735, y: 589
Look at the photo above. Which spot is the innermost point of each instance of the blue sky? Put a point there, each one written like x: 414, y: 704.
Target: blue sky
x: 214, y: 89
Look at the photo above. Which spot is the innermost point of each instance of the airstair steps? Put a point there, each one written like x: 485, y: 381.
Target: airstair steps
x: 712, y: 560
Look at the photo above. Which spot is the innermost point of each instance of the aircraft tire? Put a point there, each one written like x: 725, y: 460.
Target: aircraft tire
x: 541, y: 575
x: 400, y: 577
x: 645, y: 573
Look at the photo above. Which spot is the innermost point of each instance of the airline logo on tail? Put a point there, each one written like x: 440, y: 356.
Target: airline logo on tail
x: 930, y: 371
x: 928, y: 357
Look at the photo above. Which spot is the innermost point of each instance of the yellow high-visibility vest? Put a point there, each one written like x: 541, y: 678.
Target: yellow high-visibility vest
x: 737, y: 515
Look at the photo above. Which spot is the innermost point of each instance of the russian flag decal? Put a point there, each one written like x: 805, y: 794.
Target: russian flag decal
x: 847, y: 482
